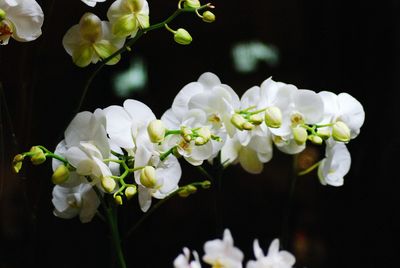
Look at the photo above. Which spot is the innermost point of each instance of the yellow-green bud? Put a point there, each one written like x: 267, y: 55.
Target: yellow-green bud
x: 108, y: 184
x: 181, y: 36
x: 208, y: 16
x: 156, y: 130
x: 247, y: 126
x: 188, y: 190
x: 130, y: 191
x: 300, y: 135
x: 315, y: 139
x: 237, y: 120
x: 186, y: 133
x: 17, y: 163
x: 273, y: 117
x: 324, y: 133
x: 38, y: 157
x: 205, y: 133
x: 118, y: 200
x: 2, y: 14
x: 199, y: 141
x: 192, y: 3
x: 206, y: 184
x: 60, y: 175
x: 148, y: 177
x: 341, y: 132
x: 256, y: 119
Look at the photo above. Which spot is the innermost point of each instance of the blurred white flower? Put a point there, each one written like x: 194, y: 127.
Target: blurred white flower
x: 21, y: 20
x: 92, y: 3
x: 183, y: 260
x: 222, y: 253
x: 274, y: 258
x: 91, y: 40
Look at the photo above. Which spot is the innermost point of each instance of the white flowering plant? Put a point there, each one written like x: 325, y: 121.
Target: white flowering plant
x: 124, y: 153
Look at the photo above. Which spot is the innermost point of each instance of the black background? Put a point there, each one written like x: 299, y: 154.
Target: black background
x: 340, y: 46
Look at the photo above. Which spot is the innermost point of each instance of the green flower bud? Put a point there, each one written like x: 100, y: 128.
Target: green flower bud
x: 199, y: 141
x: 60, y: 175
x: 192, y: 3
x: 237, y: 120
x: 300, y: 135
x: 315, y: 139
x: 206, y: 184
x: 181, y: 36
x: 187, y: 190
x: 130, y: 191
x: 38, y: 157
x: 205, y: 133
x: 148, y: 177
x: 17, y: 163
x: 341, y: 132
x: 186, y: 133
x: 156, y: 130
x: 324, y: 133
x: 273, y: 117
x: 108, y: 184
x: 208, y: 16
x: 247, y: 126
x: 118, y: 200
x: 2, y: 14
x: 256, y: 119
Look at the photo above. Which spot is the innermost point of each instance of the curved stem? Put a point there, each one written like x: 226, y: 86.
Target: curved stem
x: 308, y: 170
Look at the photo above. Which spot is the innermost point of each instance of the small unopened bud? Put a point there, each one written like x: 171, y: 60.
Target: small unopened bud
x: 315, y: 139
x: 324, y: 133
x: 247, y: 126
x: 199, y: 141
x: 300, y: 135
x: 208, y: 16
x: 118, y: 200
x: 108, y: 184
x: 206, y: 184
x: 148, y: 177
x: 186, y: 133
x: 188, y: 190
x: 192, y: 3
x: 156, y: 130
x: 273, y: 117
x: 2, y: 14
x: 38, y: 157
x: 181, y: 36
x: 256, y: 119
x: 17, y: 163
x: 237, y: 120
x: 130, y: 191
x: 341, y: 132
x: 205, y: 133
x: 60, y: 175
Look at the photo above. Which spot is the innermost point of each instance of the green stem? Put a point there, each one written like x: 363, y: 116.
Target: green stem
x: 308, y: 170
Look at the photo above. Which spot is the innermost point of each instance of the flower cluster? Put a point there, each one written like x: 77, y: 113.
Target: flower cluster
x: 223, y: 253
x: 124, y: 150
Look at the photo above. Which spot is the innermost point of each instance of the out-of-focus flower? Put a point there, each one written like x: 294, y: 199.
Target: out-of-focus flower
x: 128, y: 16
x: 91, y: 40
x: 183, y: 260
x: 222, y: 253
x: 274, y: 258
x: 92, y: 3
x: 21, y: 20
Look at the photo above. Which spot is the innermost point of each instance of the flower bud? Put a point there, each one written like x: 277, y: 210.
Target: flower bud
x: 208, y: 16
x: 186, y: 133
x: 60, y: 175
x: 192, y: 3
x: 247, y: 126
x: 199, y: 141
x: 118, y: 200
x: 256, y: 119
x: 205, y: 133
x: 108, y: 184
x: 341, y: 132
x: 273, y: 117
x: 17, y: 163
x: 300, y: 135
x: 324, y: 133
x: 315, y: 139
x: 38, y: 157
x: 188, y: 190
x: 130, y: 191
x: 206, y: 184
x: 181, y: 36
x: 156, y: 130
x: 237, y: 120
x: 2, y: 14
x: 148, y: 177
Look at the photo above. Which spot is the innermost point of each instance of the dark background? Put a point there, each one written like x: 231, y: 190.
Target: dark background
x: 340, y: 46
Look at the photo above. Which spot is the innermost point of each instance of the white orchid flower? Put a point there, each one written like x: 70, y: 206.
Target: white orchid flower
x: 92, y: 3
x: 222, y: 253
x: 128, y: 16
x: 183, y: 260
x: 91, y: 40
x: 21, y: 20
x: 75, y: 198
x: 274, y: 259
x: 343, y: 108
x: 335, y: 165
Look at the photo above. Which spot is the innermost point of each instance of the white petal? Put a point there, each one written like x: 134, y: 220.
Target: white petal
x: 352, y: 113
x: 249, y: 161
x: 144, y: 198
x: 258, y: 253
x: 209, y: 80
x: 230, y: 151
x: 75, y: 155
x: 181, y: 100
x: 119, y: 126
x: 310, y: 105
x: 274, y: 247
x: 139, y: 112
